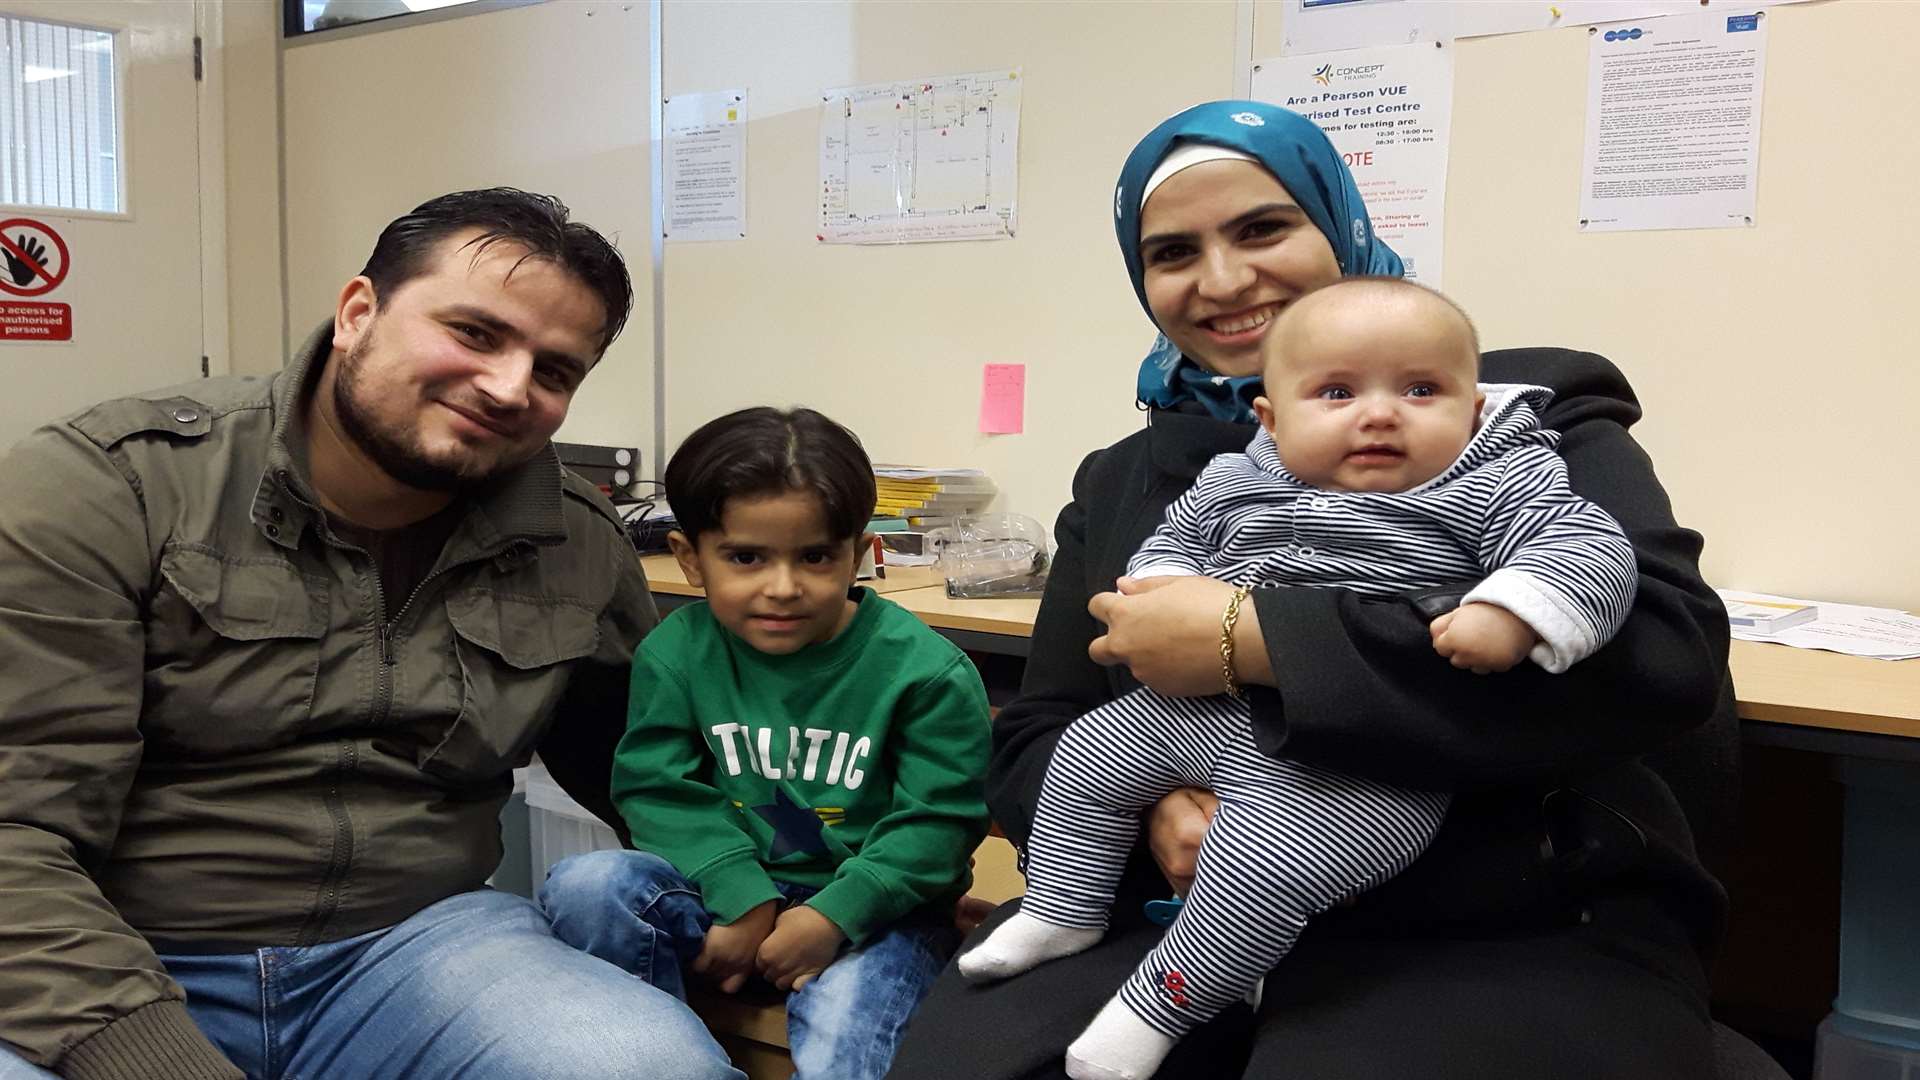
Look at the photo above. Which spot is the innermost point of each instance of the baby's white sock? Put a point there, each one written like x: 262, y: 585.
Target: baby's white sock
x: 1118, y: 1045
x: 1022, y: 942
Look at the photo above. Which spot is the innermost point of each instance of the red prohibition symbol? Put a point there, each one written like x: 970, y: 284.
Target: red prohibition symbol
x: 24, y: 247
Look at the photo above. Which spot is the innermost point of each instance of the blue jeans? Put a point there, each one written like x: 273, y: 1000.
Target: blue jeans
x: 632, y: 909
x: 475, y: 987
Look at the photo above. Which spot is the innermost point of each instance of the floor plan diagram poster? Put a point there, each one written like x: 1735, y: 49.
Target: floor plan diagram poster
x: 917, y: 161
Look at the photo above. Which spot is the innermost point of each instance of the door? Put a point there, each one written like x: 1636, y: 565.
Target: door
x: 131, y: 274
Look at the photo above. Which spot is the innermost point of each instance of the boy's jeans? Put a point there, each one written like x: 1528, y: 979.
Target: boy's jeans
x: 475, y: 987
x: 632, y: 909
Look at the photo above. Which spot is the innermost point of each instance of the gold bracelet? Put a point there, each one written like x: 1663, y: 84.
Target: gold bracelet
x: 1227, y: 620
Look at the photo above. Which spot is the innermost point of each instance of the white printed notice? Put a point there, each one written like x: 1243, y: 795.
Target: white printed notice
x: 930, y: 159
x: 1389, y: 111
x: 706, y: 166
x: 1673, y: 122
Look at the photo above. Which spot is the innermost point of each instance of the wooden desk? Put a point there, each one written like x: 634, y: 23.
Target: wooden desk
x: 1790, y: 697
x: 1826, y: 702
x: 1003, y: 627
x: 1844, y: 706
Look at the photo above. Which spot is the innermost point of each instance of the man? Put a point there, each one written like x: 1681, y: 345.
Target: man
x: 269, y: 650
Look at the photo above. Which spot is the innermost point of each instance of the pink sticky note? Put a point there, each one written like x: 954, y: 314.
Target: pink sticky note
x: 1003, y: 399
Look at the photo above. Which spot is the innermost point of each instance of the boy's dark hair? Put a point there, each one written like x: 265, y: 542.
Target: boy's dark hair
x: 535, y: 222
x: 765, y: 451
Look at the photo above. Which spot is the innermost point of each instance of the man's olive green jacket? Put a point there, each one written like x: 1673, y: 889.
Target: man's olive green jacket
x: 217, y: 734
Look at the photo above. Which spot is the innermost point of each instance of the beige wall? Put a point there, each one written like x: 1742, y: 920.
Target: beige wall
x: 249, y: 59
x: 1786, y: 328
x: 891, y: 340
x: 550, y: 98
x: 1779, y: 408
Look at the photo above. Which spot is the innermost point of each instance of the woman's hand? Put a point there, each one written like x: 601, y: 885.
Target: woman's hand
x: 1167, y: 631
x: 1175, y: 827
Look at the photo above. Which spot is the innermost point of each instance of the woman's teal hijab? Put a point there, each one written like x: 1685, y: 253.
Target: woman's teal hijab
x: 1299, y: 155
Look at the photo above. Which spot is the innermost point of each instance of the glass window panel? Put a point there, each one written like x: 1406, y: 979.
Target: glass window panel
x: 306, y: 16
x: 59, y: 116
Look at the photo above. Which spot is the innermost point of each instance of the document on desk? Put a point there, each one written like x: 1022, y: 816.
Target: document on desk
x: 1879, y: 633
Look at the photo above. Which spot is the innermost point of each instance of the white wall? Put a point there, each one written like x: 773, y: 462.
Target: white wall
x: 891, y: 340
x: 249, y: 60
x: 1774, y: 363
x: 551, y: 98
x: 1777, y: 396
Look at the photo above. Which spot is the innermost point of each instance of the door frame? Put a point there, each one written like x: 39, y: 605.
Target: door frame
x: 211, y: 98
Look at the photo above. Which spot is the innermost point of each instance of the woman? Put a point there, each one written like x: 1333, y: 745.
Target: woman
x: 1556, y: 927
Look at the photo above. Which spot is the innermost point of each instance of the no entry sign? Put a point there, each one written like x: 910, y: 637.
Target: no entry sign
x: 33, y: 258
x: 31, y: 320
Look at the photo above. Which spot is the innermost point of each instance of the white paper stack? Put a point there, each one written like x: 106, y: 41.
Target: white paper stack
x: 1880, y: 633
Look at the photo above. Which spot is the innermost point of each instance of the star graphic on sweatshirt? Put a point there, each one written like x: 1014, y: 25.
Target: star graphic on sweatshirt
x: 795, y: 828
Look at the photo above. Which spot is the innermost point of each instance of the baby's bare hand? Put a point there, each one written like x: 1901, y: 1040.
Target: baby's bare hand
x: 1482, y: 638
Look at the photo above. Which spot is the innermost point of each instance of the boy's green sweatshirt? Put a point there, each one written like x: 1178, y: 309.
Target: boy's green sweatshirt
x: 856, y: 765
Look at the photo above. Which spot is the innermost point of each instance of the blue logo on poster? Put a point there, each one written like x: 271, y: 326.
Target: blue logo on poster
x: 1737, y: 23
x: 1625, y: 35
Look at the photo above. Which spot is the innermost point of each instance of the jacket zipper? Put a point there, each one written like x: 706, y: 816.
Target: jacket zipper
x: 389, y: 629
x: 347, y: 756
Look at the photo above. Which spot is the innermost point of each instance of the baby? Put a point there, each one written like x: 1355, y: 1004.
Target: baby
x: 1381, y: 467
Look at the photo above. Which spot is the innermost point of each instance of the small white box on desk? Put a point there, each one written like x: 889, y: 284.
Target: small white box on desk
x: 1768, y: 616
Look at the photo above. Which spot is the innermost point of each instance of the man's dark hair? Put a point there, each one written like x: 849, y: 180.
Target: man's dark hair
x: 765, y: 451
x: 537, y: 223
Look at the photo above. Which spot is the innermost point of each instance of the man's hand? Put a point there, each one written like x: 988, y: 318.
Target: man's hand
x: 1167, y: 631
x: 727, y: 957
x: 1175, y: 827
x: 801, y: 946
x: 1482, y: 637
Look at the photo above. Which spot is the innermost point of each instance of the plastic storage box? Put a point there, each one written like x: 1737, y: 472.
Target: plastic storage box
x: 557, y: 826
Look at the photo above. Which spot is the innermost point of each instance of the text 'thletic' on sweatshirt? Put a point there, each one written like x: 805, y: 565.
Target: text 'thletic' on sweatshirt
x: 855, y: 765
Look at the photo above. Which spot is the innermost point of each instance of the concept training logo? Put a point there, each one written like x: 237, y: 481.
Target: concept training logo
x: 1323, y: 74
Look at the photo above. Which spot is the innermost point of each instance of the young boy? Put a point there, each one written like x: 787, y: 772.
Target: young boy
x: 1381, y: 467
x: 802, y: 768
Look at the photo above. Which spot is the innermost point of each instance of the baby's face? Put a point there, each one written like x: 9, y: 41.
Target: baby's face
x: 1366, y: 397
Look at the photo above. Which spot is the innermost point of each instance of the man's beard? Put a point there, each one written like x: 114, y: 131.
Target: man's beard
x: 395, y: 452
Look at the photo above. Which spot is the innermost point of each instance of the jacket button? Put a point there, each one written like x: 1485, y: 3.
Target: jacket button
x: 278, y: 515
x: 273, y: 532
x: 186, y: 416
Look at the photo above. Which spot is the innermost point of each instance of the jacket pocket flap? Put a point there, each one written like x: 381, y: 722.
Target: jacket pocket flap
x: 525, y: 631
x: 247, y: 599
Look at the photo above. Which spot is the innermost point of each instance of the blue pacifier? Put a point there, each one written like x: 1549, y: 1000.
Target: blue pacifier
x: 1162, y: 912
